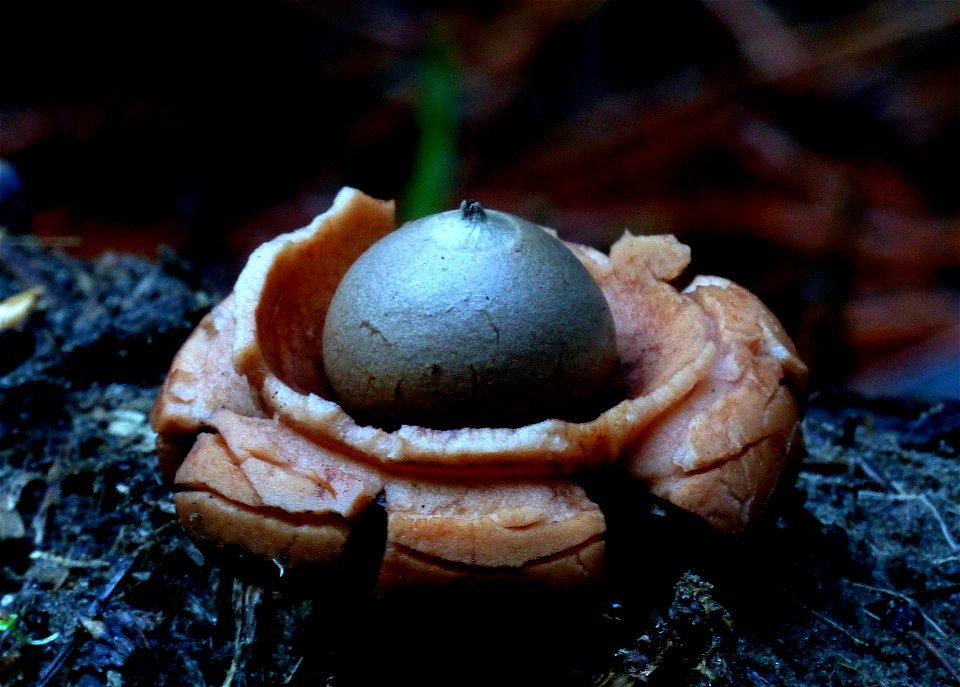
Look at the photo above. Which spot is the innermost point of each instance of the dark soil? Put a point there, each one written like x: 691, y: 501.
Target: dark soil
x: 852, y: 578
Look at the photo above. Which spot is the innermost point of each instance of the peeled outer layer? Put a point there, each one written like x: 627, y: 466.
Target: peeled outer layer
x: 271, y: 463
x: 720, y: 452
x: 261, y: 486
x: 482, y: 532
x: 202, y: 380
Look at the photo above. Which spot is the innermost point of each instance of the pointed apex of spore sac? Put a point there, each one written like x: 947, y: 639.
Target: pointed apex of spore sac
x: 472, y: 211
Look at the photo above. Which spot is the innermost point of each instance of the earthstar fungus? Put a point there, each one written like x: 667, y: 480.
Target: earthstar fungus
x: 264, y: 458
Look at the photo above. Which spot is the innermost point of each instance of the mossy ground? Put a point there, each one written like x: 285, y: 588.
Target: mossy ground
x: 852, y: 578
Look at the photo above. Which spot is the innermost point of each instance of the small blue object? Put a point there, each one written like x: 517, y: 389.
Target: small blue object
x: 11, y: 185
x: 13, y: 205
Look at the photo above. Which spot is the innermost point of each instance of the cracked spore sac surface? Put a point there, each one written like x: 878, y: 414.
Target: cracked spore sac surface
x: 852, y: 578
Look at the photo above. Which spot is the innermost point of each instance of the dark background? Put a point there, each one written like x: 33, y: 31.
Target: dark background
x: 807, y: 150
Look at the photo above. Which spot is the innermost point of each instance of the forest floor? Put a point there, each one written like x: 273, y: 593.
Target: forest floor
x: 851, y: 578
